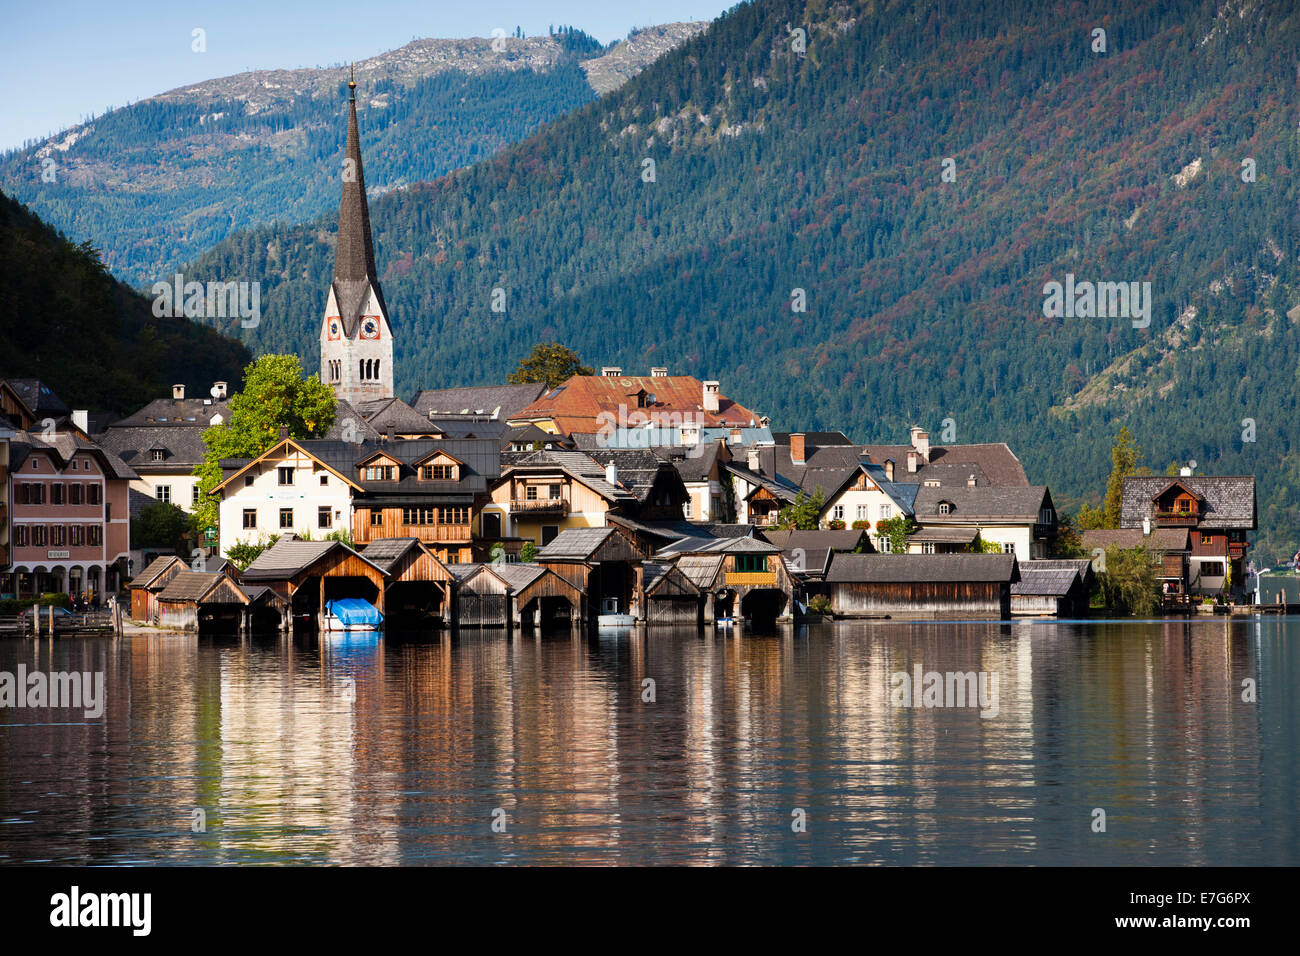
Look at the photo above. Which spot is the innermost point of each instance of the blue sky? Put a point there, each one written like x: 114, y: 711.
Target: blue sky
x: 66, y: 59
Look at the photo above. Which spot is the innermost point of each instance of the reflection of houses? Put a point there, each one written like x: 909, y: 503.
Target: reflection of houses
x: 1053, y: 588
x: 1217, y: 512
x: 915, y: 585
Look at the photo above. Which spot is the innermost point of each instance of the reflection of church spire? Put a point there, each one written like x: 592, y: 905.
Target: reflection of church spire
x: 354, y: 259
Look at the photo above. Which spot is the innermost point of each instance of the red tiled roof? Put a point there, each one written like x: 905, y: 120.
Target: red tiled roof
x: 576, y: 406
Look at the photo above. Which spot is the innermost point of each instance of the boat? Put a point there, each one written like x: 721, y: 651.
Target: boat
x: 351, y: 614
x: 610, y: 617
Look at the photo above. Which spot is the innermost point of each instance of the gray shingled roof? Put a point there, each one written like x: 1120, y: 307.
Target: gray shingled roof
x: 385, y: 552
x: 500, y: 401
x: 1049, y: 578
x: 153, y: 569
x: 1230, y: 500
x: 576, y: 464
x: 1160, y: 539
x: 182, y: 446
x: 189, y: 586
x: 999, y: 465
x: 1016, y: 503
x: 719, y: 546
x: 700, y: 569
x: 921, y: 568
x: 944, y: 535
x: 574, y: 544
x: 288, y: 556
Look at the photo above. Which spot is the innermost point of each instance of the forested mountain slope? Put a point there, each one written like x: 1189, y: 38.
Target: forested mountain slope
x: 781, y: 175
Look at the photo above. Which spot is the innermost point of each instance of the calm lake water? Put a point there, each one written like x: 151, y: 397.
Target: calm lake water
x: 406, y: 750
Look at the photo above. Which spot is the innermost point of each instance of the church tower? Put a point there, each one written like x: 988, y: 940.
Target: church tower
x: 356, y: 341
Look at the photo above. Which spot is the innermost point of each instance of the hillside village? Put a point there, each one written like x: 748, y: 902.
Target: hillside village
x: 628, y: 496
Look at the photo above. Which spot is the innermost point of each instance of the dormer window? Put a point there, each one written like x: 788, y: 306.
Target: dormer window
x: 945, y: 507
x: 1045, y: 516
x: 156, y: 455
x: 438, y: 473
x: 378, y: 473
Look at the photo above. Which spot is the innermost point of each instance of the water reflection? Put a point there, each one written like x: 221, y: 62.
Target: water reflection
x: 671, y: 747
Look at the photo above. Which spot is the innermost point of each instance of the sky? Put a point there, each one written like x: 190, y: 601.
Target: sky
x: 65, y: 60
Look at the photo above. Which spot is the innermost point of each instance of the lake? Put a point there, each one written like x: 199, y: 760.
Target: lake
x: 675, y: 747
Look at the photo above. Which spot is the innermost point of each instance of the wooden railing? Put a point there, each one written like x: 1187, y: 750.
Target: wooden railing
x: 1176, y: 518
x: 538, y: 505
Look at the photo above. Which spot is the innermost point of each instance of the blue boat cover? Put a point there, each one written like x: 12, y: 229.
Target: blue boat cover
x: 355, y: 612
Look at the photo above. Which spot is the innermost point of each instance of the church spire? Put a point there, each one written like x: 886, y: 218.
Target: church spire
x: 354, y: 259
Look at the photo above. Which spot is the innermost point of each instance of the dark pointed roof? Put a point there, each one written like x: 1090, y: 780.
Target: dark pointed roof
x: 354, y: 258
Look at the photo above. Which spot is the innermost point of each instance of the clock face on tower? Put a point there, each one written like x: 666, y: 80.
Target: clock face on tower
x: 369, y: 328
x: 334, y: 330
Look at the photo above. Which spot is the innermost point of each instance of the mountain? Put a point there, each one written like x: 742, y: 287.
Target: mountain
x: 93, y: 340
x: 156, y: 183
x: 914, y: 178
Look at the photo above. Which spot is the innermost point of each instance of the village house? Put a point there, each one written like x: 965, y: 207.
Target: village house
x: 596, y: 404
x: 163, y: 443
x: 1217, y: 512
x: 1018, y: 520
x: 428, y: 489
x: 1169, y: 549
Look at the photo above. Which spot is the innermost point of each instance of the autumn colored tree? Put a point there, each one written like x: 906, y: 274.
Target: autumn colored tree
x: 549, y: 362
x: 1125, y: 459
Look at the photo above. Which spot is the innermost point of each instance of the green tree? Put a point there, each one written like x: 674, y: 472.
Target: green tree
x: 161, y: 524
x: 549, y: 362
x: 980, y: 546
x: 275, y: 396
x: 1125, y: 458
x: 1129, y: 584
x: 1068, y: 542
x: 1089, y: 518
x: 804, y: 514
x: 897, y: 529
x: 244, y: 553
x: 528, y: 553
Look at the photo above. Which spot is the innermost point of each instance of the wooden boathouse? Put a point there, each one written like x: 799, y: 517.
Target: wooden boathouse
x: 922, y: 585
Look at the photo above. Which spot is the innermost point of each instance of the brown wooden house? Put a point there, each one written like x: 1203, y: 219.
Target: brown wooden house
x: 922, y: 585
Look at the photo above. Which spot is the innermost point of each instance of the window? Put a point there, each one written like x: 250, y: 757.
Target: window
x: 94, y: 535
x: 531, y: 492
x: 93, y: 493
x: 491, y: 525
x: 945, y: 508
x: 20, y: 536
x: 453, y: 516
x: 58, y: 536
x: 376, y: 516
x: 1211, y: 569
x: 324, y: 517
x: 38, y: 535
x: 156, y: 455
x: 1045, y: 516
x: 862, y: 513
x: 1207, y: 538
x: 250, y: 518
x: 555, y: 492
x: 686, y: 508
x: 751, y: 563
x: 549, y: 533
x: 417, y: 515
x: 927, y: 547
x: 163, y: 492
x: 286, y: 517
x: 194, y: 494
x: 886, y: 512
x: 379, y: 473
x: 438, y: 473
x: 324, y: 480
x: 56, y: 493
x: 286, y: 475
x: 838, y: 512
x: 882, y: 544
x: 1009, y: 547
x: 76, y: 492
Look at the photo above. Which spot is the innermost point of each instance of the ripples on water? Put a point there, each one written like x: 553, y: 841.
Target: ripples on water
x: 367, y: 751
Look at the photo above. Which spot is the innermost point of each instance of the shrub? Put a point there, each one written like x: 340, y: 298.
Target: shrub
x: 836, y: 524
x: 820, y: 604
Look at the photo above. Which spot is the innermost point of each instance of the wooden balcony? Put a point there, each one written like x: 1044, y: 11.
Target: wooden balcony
x: 539, y: 506
x: 365, y: 533
x: 1177, y: 519
x: 762, y: 579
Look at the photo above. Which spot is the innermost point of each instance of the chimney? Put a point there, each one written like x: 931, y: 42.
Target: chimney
x: 284, y: 432
x: 611, y: 474
x: 178, y: 392
x: 736, y: 436
x: 911, y: 461
x: 796, y: 448
x: 219, y: 391
x: 889, y: 468
x: 970, y: 481
x: 611, y: 371
x: 659, y: 371
x: 921, y: 442
x: 81, y: 418
x: 1185, y: 472
x: 1146, y: 525
x: 751, y: 460
x: 711, y: 397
